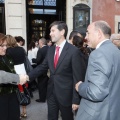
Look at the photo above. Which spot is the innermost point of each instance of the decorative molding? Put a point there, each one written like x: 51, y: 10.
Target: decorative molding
x: 84, y: 0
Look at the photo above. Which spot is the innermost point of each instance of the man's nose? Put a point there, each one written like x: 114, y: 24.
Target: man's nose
x: 86, y: 37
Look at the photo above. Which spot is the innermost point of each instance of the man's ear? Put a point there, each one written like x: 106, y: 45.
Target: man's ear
x: 99, y: 32
x: 62, y: 32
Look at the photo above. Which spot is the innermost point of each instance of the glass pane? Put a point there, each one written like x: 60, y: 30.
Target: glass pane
x: 1, y: 9
x: 49, y: 11
x: 41, y: 2
x: 50, y: 2
x: 41, y: 11
x: 38, y: 26
x: 2, y: 1
x: 35, y: 2
x: 81, y: 18
x: 35, y: 11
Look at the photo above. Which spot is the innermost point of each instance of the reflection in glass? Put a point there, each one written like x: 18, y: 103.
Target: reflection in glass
x: 2, y: 1
x: 49, y: 11
x: 39, y: 28
x: 36, y: 11
x: 41, y: 11
x: 81, y: 18
x: 42, y: 2
x: 1, y: 9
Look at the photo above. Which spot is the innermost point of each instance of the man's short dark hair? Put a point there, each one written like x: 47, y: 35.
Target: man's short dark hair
x: 60, y: 26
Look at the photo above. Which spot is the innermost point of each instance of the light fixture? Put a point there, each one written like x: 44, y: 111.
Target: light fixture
x: 118, y: 0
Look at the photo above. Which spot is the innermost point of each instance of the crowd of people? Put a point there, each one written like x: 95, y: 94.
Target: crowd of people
x: 83, y: 73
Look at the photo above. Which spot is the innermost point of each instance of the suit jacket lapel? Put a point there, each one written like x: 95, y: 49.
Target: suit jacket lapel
x: 62, y: 55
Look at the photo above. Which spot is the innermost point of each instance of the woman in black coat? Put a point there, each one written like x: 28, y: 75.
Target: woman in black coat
x: 79, y: 43
x: 9, y: 105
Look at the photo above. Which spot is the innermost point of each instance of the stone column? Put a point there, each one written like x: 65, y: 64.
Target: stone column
x: 15, y: 15
x: 69, y: 16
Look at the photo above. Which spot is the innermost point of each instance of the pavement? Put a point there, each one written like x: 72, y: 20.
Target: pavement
x: 36, y: 111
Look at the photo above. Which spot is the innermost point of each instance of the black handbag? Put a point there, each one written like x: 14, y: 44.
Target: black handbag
x: 23, y: 97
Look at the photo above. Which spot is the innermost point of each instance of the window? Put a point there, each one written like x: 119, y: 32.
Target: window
x: 42, y: 2
x: 81, y: 17
x: 2, y: 1
x: 39, y: 6
x: 46, y: 11
x: 39, y: 28
x: 42, y: 11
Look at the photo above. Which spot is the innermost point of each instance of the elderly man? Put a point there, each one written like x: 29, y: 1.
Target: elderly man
x: 116, y: 39
x: 100, y: 91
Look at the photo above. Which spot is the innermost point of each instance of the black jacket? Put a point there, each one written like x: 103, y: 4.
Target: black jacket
x: 67, y: 73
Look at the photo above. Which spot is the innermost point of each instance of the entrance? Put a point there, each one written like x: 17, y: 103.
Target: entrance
x: 40, y: 14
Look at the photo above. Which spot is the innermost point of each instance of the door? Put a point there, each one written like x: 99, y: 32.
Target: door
x: 40, y: 14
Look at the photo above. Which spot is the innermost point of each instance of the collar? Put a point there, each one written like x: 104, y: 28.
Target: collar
x: 43, y: 46
x: 62, y: 44
x: 101, y: 43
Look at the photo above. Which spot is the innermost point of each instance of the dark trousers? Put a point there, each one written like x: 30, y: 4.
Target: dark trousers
x: 9, y: 107
x: 32, y: 85
x: 53, y: 109
x: 42, y: 87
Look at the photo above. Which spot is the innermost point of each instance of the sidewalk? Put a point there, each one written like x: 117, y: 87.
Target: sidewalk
x: 36, y: 111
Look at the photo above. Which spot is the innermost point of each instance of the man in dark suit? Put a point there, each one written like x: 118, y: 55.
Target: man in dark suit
x: 42, y: 79
x: 64, y: 74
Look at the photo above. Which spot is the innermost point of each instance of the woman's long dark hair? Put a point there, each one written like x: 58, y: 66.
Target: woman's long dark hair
x: 78, y: 42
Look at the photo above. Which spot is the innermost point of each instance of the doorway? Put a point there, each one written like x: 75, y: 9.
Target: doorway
x: 40, y: 14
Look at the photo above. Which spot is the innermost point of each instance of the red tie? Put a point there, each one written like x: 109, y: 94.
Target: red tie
x: 56, y: 56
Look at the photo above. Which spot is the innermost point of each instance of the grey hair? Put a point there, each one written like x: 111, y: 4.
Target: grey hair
x: 115, y: 37
x: 43, y: 41
x: 104, y: 27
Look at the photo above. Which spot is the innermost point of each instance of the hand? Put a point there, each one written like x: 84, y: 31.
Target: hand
x: 75, y: 107
x: 23, y: 79
x: 77, y: 85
